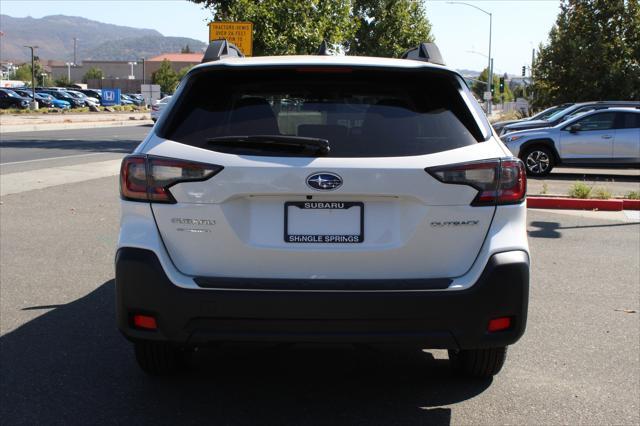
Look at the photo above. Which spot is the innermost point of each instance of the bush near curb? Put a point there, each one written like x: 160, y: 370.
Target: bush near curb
x: 579, y: 190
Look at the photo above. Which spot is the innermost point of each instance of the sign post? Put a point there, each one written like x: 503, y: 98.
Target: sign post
x: 238, y: 33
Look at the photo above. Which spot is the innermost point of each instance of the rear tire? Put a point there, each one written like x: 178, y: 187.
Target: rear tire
x: 158, y: 358
x: 538, y: 161
x: 479, y: 363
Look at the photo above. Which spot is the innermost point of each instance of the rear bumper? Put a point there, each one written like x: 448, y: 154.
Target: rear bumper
x: 449, y: 319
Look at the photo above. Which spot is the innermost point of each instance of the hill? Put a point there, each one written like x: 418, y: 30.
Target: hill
x: 96, y: 40
x: 142, y: 47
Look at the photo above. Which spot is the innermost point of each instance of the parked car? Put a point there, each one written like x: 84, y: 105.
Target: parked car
x: 603, y: 137
x: 542, y: 115
x: 44, y: 99
x: 10, y: 99
x: 158, y: 107
x: 138, y: 101
x: 566, y: 114
x: 88, y: 101
x: 63, y: 96
x: 386, y: 212
x: 92, y: 93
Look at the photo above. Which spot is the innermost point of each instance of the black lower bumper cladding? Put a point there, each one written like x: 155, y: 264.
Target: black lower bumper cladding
x: 430, y: 319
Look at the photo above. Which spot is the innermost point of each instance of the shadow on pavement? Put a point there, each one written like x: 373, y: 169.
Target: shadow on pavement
x: 551, y: 229
x: 71, y: 365
x: 107, y: 145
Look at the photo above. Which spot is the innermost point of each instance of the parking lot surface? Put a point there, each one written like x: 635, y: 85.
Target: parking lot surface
x: 62, y: 359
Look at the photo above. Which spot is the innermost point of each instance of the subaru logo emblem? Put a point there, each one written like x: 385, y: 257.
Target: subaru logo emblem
x: 324, y: 181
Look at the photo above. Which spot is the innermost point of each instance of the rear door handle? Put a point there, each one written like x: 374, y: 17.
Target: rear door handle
x: 606, y: 136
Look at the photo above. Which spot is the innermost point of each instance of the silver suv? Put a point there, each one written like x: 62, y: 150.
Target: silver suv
x: 604, y: 137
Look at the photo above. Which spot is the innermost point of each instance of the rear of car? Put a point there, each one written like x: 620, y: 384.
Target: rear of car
x: 323, y: 199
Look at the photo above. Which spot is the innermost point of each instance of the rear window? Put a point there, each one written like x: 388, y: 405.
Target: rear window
x: 362, y: 113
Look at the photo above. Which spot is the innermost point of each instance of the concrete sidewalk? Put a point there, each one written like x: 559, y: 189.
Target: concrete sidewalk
x: 11, y: 123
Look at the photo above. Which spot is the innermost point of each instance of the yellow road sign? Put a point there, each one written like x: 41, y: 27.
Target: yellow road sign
x: 238, y: 33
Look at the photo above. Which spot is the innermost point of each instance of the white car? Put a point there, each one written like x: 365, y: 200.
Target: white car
x: 323, y: 199
x: 158, y: 107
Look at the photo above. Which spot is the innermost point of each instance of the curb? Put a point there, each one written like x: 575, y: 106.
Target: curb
x: 14, y: 128
x: 581, y: 204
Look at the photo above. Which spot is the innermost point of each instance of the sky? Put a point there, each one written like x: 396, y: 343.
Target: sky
x: 461, y: 32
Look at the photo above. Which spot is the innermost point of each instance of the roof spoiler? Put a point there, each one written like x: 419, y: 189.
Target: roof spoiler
x: 427, y: 52
x: 219, y: 49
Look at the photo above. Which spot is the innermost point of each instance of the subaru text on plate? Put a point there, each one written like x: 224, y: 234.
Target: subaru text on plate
x: 323, y: 199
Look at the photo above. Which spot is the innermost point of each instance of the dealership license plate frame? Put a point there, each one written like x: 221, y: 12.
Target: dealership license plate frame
x: 324, y: 238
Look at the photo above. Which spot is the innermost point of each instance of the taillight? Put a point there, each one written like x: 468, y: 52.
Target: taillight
x: 148, y: 178
x: 497, y: 181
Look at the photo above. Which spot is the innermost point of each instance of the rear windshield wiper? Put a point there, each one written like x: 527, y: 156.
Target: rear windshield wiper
x: 279, y: 142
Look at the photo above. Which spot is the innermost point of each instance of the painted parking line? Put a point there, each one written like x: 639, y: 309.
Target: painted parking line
x: 14, y: 183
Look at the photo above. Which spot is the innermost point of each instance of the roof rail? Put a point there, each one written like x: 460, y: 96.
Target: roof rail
x: 427, y: 52
x: 219, y: 49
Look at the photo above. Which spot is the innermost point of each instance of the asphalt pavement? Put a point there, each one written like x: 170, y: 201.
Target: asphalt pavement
x: 62, y: 359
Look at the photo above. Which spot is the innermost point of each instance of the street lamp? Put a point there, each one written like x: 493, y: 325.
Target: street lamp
x: 68, y: 64
x: 43, y: 75
x: 132, y: 76
x: 34, y: 104
x: 489, y: 67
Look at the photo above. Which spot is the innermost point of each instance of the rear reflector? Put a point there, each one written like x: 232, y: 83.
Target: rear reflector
x: 145, y: 322
x: 148, y: 178
x: 499, y: 324
x: 497, y: 181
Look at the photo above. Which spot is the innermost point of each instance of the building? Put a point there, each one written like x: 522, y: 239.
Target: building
x: 122, y: 70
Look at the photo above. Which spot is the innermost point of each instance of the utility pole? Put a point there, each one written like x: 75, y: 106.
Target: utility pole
x: 68, y: 64
x: 533, y: 60
x: 489, y: 65
x: 143, y: 71
x: 75, y: 51
x: 34, y: 104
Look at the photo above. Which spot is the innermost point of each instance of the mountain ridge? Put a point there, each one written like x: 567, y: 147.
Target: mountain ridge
x: 96, y: 40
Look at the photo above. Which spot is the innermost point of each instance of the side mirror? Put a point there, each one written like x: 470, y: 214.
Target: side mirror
x: 574, y: 128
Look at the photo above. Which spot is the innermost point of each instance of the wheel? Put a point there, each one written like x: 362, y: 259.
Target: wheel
x: 158, y: 358
x: 479, y: 363
x: 538, y: 160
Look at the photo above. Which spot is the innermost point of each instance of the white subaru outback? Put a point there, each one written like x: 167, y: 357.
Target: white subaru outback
x: 323, y: 199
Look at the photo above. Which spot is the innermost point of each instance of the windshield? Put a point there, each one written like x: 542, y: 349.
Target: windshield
x: 361, y: 113
x: 560, y: 114
x: 11, y: 93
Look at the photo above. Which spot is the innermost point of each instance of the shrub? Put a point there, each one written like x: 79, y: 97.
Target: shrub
x: 601, y: 193
x: 633, y: 195
x: 579, y: 190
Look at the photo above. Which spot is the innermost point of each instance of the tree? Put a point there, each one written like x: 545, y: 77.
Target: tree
x: 284, y: 27
x: 166, y: 77
x: 62, y: 81
x: 186, y: 49
x: 361, y: 27
x: 479, y: 88
x: 389, y: 27
x: 183, y: 72
x: 23, y: 73
x: 93, y: 73
x: 592, y: 53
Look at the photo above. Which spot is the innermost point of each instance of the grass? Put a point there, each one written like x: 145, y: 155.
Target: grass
x: 579, y: 190
x: 117, y: 108
x: 545, y: 188
x: 601, y: 193
x: 633, y: 195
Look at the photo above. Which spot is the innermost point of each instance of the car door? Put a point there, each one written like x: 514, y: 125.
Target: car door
x: 592, y: 142
x: 626, y: 146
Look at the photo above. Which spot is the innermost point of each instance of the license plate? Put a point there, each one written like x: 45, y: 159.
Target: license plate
x: 332, y: 222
